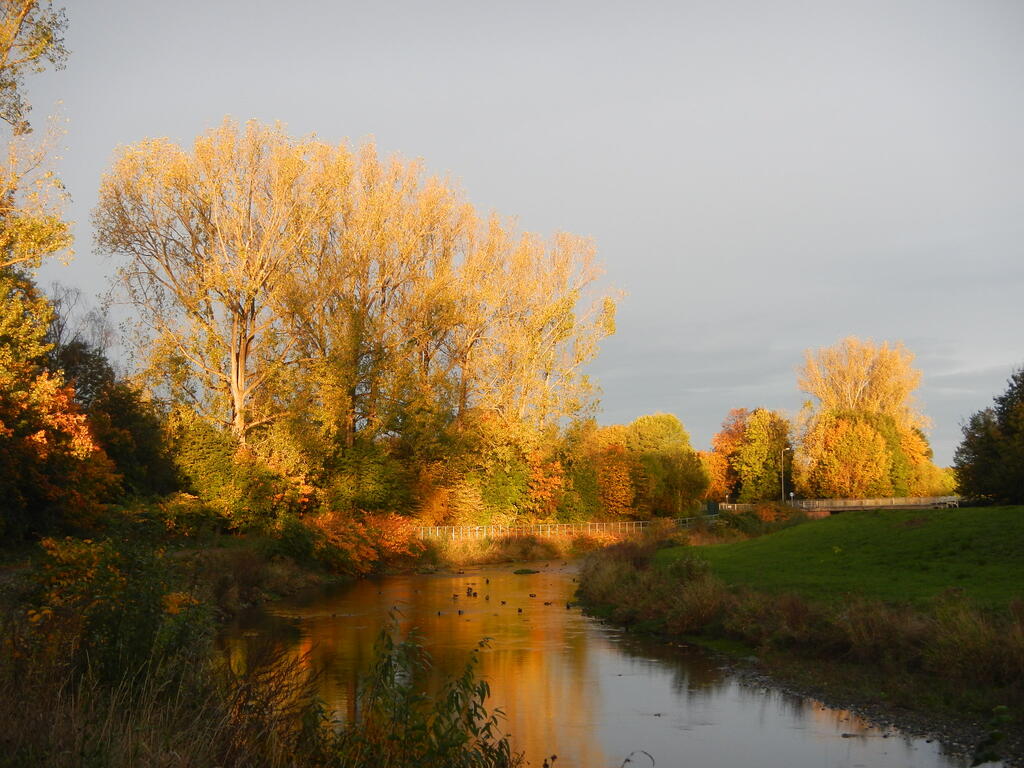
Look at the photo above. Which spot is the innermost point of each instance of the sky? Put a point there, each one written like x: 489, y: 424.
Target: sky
x: 759, y: 178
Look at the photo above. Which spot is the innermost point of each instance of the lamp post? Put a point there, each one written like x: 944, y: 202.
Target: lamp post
x: 782, y: 472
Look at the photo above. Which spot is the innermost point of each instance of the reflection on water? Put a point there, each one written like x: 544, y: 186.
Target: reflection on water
x: 569, y: 685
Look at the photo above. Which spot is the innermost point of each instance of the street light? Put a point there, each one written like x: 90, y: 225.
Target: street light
x: 782, y: 472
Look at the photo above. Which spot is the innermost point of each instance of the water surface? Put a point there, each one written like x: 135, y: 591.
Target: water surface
x: 572, y: 686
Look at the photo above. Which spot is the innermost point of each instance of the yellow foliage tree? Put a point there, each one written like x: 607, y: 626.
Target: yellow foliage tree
x: 865, y: 436
x: 857, y: 376
x: 336, y: 310
x: 852, y: 460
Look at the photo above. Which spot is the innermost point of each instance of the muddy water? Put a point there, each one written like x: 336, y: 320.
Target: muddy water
x: 572, y: 686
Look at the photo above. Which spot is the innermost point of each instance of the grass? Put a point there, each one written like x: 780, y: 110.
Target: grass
x: 909, y: 556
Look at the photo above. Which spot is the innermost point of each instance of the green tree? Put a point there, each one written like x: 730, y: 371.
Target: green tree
x: 668, y: 476
x: 989, y: 462
x: 763, y: 456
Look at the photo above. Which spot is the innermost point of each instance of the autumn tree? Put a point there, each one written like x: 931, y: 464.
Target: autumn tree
x: 125, y: 424
x: 31, y: 195
x: 725, y: 444
x: 51, y: 470
x: 762, y: 461
x: 31, y: 37
x: 989, y: 462
x: 211, y: 240
x: 615, y: 468
x: 338, y: 310
x: 852, y: 459
x: 865, y: 435
x: 750, y: 455
x: 717, y: 470
x: 857, y: 376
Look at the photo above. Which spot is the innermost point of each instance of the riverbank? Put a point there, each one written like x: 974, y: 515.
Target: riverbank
x: 107, y: 658
x: 947, y: 655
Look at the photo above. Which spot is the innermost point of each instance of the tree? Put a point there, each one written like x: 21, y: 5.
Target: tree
x: 857, y: 376
x: 668, y: 476
x: 760, y: 462
x: 31, y: 36
x: 749, y: 454
x: 31, y: 195
x: 989, y: 462
x: 852, y: 461
x: 51, y: 469
x: 725, y: 445
x: 276, y: 275
x: 615, y: 468
x: 214, y: 239
x: 716, y: 467
x: 335, y: 310
x: 865, y: 400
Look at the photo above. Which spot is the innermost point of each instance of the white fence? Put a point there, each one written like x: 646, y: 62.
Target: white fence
x: 621, y: 528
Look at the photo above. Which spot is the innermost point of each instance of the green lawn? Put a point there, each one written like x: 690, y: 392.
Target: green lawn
x: 894, y: 555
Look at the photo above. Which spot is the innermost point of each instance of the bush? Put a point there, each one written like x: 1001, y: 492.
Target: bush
x: 113, y: 606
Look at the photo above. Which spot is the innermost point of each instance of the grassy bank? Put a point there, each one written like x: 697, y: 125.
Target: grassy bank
x: 882, y: 606
x: 909, y: 556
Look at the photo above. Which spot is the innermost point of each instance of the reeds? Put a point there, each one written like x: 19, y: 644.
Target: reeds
x: 264, y: 715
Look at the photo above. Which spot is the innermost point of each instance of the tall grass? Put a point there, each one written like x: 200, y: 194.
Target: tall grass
x: 951, y: 640
x: 265, y: 715
x: 109, y: 661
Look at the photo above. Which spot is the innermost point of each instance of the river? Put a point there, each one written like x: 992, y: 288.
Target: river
x: 570, y: 685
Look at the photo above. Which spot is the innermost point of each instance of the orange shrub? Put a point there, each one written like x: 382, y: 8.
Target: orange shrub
x: 393, y: 535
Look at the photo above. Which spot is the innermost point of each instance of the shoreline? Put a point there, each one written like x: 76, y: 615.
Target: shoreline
x: 958, y: 736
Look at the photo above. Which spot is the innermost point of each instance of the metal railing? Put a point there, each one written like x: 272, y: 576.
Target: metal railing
x: 891, y: 502
x: 879, y: 503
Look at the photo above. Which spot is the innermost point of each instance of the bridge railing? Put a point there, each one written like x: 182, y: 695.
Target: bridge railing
x: 837, y: 504
x: 879, y: 503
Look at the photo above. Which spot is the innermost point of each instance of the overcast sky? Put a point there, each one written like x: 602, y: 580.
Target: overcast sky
x: 760, y: 177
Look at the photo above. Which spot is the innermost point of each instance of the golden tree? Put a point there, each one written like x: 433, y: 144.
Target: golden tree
x: 332, y: 307
x: 51, y: 469
x: 213, y: 239
x: 862, y: 376
x: 865, y: 400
